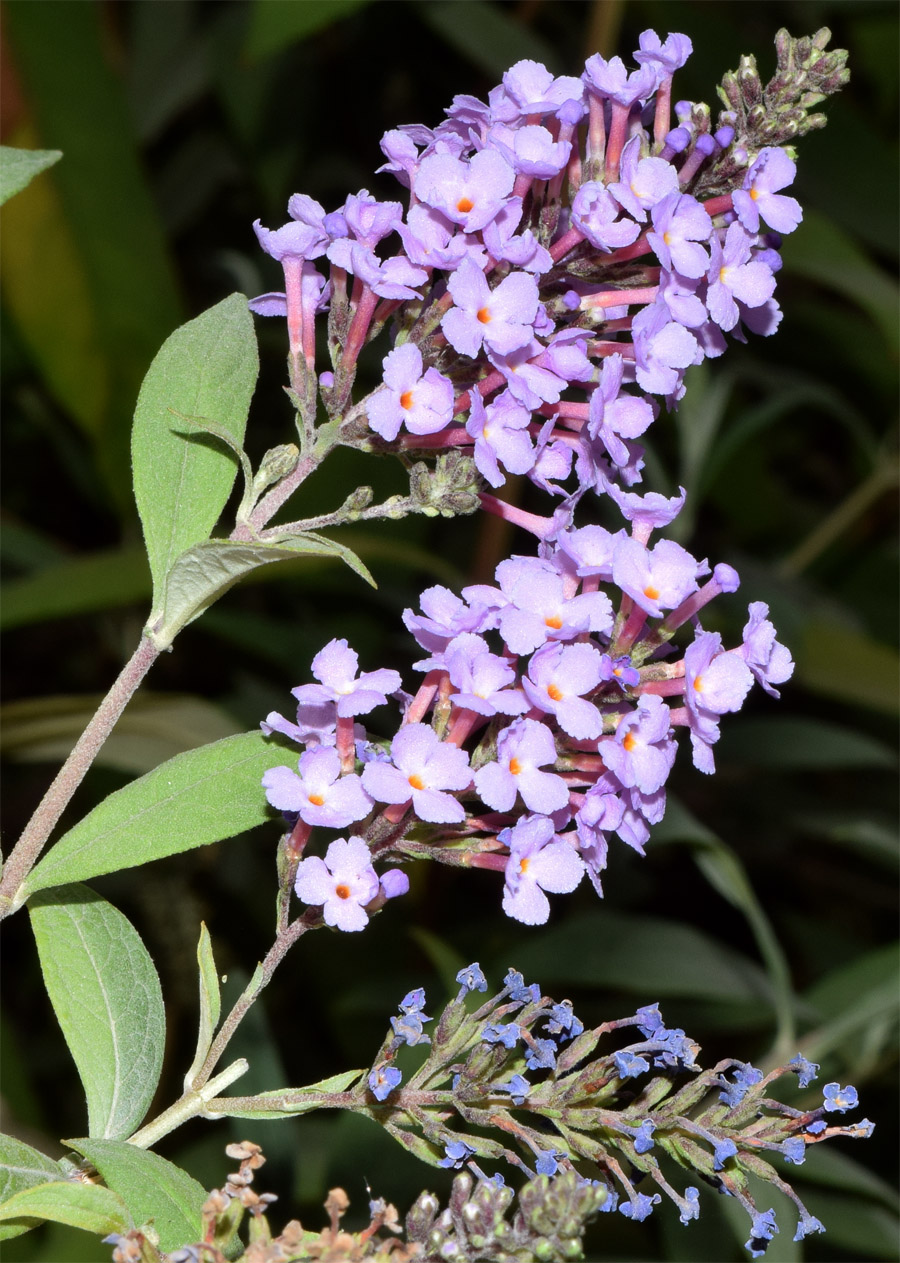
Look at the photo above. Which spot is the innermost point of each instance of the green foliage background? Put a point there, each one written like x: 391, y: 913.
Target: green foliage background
x: 181, y: 123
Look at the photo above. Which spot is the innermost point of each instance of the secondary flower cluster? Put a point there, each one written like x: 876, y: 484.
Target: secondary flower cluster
x: 522, y: 1066
x: 549, y: 230
x: 546, y: 720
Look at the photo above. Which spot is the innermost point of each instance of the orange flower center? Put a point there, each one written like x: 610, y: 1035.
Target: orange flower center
x: 553, y: 621
x: 555, y: 692
x: 484, y: 316
x: 406, y: 400
x: 515, y: 766
x: 416, y: 782
x: 342, y: 892
x: 464, y: 205
x: 629, y: 743
x: 317, y: 799
x: 651, y: 592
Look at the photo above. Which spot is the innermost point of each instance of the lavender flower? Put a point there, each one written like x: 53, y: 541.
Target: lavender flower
x: 343, y: 883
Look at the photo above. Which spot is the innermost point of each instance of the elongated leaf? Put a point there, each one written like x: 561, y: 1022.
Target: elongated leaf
x: 789, y: 742
x: 78, y: 585
x: 286, y: 1102
x: 487, y: 35
x: 150, y: 1187
x: 154, y: 727
x: 210, y: 1002
x: 875, y: 679
x: 196, y: 798
x: 94, y: 275
x: 22, y: 1167
x: 644, y: 955
x: 205, y: 572
x: 208, y: 368
x: 107, y: 999
x: 87, y: 1206
x: 275, y: 25
x: 18, y: 167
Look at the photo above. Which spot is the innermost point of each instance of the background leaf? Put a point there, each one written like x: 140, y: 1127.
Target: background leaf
x: 151, y: 1188
x: 208, y: 367
x: 18, y: 167
x: 198, y: 797
x: 22, y: 1167
x: 107, y: 999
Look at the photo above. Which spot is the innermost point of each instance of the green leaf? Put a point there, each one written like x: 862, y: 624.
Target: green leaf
x: 792, y: 743
x: 205, y: 572
x: 78, y: 585
x: 276, y: 24
x: 210, y: 1001
x: 824, y: 253
x: 107, y: 999
x: 22, y: 1167
x: 85, y: 265
x: 208, y: 367
x: 150, y: 1187
x: 18, y: 167
x: 198, y: 797
x: 286, y: 1102
x: 487, y: 35
x: 87, y: 1206
x: 644, y: 955
x: 153, y: 728
x: 821, y: 666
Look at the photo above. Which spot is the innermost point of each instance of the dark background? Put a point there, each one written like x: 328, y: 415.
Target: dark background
x: 183, y: 122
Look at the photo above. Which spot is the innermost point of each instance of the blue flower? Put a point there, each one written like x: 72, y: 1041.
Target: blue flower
x: 471, y: 979
x: 690, y: 1207
x: 629, y: 1065
x: 762, y: 1230
x: 541, y: 1055
x: 519, y: 990
x: 546, y: 1163
x: 840, y: 1099
x: 457, y: 1151
x: 639, y: 1207
x: 805, y: 1070
x: 506, y: 1034
x: 518, y: 1088
x: 383, y: 1080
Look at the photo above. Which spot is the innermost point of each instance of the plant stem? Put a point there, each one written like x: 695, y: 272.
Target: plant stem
x: 29, y: 846
x: 262, y: 975
x: 188, y: 1106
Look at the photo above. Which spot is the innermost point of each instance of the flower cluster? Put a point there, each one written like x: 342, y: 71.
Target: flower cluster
x: 521, y: 1066
x: 559, y: 268
x: 553, y: 720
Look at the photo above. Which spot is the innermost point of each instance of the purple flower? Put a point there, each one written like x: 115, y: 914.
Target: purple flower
x: 537, y: 608
x: 446, y: 615
x: 558, y: 677
x: 520, y: 991
x: 481, y: 678
x: 471, y: 979
x: 506, y: 1034
x: 663, y: 350
x: 530, y: 150
x: 500, y: 431
x: 522, y: 749
x: 668, y: 57
x: 383, y: 1080
x: 656, y: 579
x: 735, y: 277
x: 642, y: 181
x: 770, y: 661
x: 745, y: 1077
x: 615, y: 415
x: 420, y: 400
x: 639, y: 1207
x: 394, y: 882
x: 367, y: 219
x: 390, y: 278
x: 456, y: 1151
x: 468, y: 193
x: 319, y: 794
x: 502, y: 318
x: 610, y: 80
x: 643, y: 751
x: 629, y: 1065
x: 343, y: 883
x: 430, y: 242
x: 595, y: 213
x: 715, y: 683
x: 680, y: 223
x: 538, y: 861
x: 305, y: 237
x: 530, y: 89
x: 335, y: 667
x: 772, y: 170
x: 422, y: 768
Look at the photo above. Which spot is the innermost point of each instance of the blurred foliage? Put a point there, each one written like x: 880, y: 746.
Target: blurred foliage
x: 768, y: 899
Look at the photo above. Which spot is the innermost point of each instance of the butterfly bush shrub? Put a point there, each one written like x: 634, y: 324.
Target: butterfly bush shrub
x: 556, y: 260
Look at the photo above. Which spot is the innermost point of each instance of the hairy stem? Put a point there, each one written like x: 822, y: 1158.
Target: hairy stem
x: 29, y: 846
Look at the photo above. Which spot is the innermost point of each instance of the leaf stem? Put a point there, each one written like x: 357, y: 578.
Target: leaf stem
x: 29, y: 846
x: 262, y: 975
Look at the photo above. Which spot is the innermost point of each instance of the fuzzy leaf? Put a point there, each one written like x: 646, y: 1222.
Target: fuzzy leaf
x: 18, y: 167
x: 210, y: 1001
x: 87, y: 1206
x: 22, y: 1167
x: 150, y: 1187
x: 286, y: 1102
x: 208, y: 368
x: 198, y: 797
x: 206, y: 571
x: 105, y: 992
